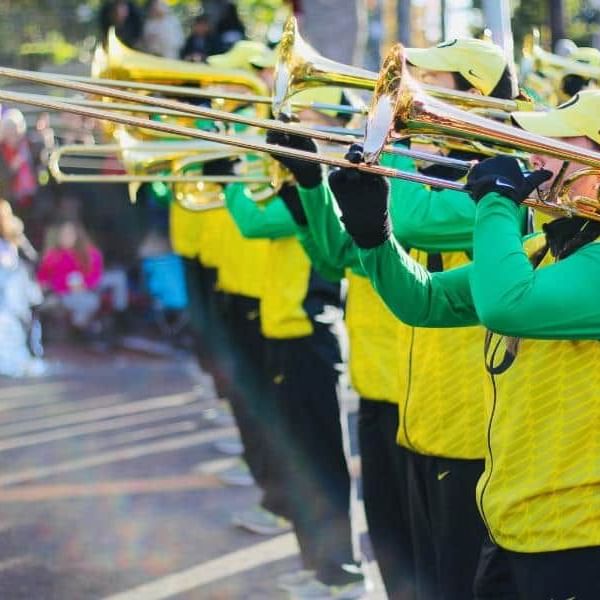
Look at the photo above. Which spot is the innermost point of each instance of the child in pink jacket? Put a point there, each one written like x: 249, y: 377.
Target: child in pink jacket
x: 71, y: 268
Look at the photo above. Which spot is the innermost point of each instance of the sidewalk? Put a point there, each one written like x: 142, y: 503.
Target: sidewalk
x: 102, y: 496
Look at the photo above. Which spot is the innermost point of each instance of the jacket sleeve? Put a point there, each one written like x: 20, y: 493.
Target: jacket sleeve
x: 329, y: 234
x: 94, y: 274
x: 414, y: 295
x: 425, y: 218
x: 558, y: 301
x: 272, y: 220
x: 319, y: 262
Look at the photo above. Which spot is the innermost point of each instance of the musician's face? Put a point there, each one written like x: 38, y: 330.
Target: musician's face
x: 67, y: 236
x: 438, y: 78
x: 585, y: 186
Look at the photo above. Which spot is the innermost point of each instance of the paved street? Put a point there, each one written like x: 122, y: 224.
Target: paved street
x: 108, y: 487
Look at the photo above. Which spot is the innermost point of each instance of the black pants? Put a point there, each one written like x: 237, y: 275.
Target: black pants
x: 193, y: 272
x: 304, y: 376
x: 563, y: 575
x: 447, y: 531
x: 207, y: 323
x: 385, y: 494
x: 252, y: 400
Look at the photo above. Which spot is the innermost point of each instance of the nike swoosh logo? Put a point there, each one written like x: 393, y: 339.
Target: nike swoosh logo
x: 471, y: 72
x: 500, y: 183
x: 443, y: 475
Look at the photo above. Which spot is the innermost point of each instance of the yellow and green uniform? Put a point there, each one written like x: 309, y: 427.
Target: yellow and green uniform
x: 427, y: 374
x: 286, y: 272
x: 440, y: 396
x: 541, y: 488
x: 297, y: 309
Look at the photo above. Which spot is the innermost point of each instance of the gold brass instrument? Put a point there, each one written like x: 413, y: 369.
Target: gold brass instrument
x: 542, y: 72
x: 171, y: 162
x: 122, y: 63
x: 324, y: 135
x: 300, y: 67
x: 400, y: 108
x: 119, y: 62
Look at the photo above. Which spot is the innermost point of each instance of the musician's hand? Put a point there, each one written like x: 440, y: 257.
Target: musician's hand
x: 289, y: 194
x: 503, y: 175
x: 363, y: 200
x: 307, y: 174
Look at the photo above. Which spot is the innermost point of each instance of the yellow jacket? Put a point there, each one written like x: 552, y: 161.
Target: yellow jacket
x: 375, y: 337
x: 441, y: 386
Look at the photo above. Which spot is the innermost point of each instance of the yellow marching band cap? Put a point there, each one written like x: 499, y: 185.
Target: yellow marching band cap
x: 585, y: 54
x: 480, y: 62
x: 578, y: 117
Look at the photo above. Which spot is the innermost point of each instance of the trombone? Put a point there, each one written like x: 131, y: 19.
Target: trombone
x: 300, y: 67
x: 399, y: 109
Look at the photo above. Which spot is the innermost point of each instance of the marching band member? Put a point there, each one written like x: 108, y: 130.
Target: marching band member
x: 440, y: 401
x: 540, y: 493
x: 298, y: 311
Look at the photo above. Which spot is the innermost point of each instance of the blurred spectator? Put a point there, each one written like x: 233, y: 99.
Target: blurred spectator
x: 71, y: 268
x: 163, y: 34
x: 18, y: 294
x: 16, y: 157
x: 202, y: 41
x: 125, y: 17
x: 230, y: 28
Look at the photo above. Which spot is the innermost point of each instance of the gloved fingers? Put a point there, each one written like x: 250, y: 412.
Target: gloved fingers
x: 355, y: 154
x: 506, y: 166
x: 534, y: 180
x: 285, y: 118
x: 278, y: 138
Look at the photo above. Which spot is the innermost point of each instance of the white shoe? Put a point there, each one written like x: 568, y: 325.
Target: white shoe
x: 238, y: 474
x: 316, y: 590
x: 219, y: 416
x: 261, y: 521
x: 289, y: 581
x: 229, y: 446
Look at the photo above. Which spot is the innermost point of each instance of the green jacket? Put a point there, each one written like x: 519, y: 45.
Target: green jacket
x: 433, y: 221
x: 501, y: 289
x: 273, y: 221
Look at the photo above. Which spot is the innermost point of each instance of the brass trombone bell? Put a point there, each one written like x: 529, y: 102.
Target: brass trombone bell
x: 401, y: 108
x: 299, y: 67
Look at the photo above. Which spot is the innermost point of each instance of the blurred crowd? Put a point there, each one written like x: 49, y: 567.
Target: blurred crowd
x: 156, y: 30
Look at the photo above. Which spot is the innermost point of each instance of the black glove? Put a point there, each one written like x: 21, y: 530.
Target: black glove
x: 363, y: 200
x: 291, y: 199
x: 307, y: 174
x: 503, y: 175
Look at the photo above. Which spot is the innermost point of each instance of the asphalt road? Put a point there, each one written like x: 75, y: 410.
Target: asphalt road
x: 108, y: 487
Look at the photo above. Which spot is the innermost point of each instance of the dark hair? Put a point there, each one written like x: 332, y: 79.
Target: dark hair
x: 571, y: 84
x: 506, y: 87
